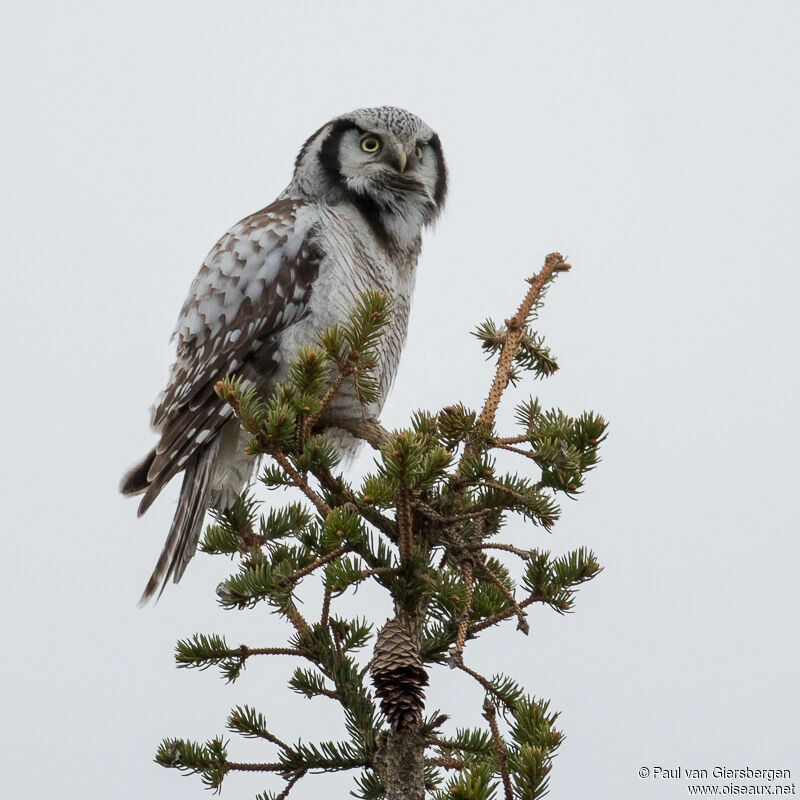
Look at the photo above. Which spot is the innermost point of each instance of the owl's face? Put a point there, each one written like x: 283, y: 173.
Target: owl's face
x: 386, y: 161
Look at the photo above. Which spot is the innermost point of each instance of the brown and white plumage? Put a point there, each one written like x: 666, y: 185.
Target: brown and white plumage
x: 349, y: 221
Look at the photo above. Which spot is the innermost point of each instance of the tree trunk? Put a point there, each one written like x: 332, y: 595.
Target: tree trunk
x: 401, y: 764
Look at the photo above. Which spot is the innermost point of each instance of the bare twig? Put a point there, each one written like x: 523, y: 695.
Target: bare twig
x: 503, y: 440
x: 326, y: 608
x: 446, y: 763
x: 450, y: 744
x: 515, y: 329
x: 292, y: 781
x: 368, y: 430
x: 236, y: 766
x: 463, y: 620
x: 379, y: 572
x: 523, y: 554
x: 296, y: 618
x: 245, y: 652
x: 405, y: 533
x: 431, y: 513
x: 518, y: 450
x: 404, y: 523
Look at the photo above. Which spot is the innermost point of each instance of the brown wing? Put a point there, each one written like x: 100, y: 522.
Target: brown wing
x: 256, y: 281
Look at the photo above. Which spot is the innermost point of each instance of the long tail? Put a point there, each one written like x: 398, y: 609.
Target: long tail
x: 187, y: 525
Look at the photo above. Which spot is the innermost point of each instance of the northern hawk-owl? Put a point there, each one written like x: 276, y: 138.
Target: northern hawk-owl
x: 364, y: 186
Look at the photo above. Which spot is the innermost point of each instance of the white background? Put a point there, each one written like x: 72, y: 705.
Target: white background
x: 656, y: 144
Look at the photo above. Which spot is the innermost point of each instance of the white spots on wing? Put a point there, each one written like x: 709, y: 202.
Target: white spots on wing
x: 230, y: 338
x: 192, y: 322
x: 228, y: 263
x: 197, y: 402
x: 202, y: 436
x: 248, y: 251
x: 255, y: 289
x: 183, y: 459
x: 225, y: 411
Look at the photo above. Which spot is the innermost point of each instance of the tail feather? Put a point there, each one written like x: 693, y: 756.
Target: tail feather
x: 186, y: 526
x: 135, y: 481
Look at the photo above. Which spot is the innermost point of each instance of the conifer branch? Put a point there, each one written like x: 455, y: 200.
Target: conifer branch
x: 342, y: 495
x: 299, y: 481
x: 520, y: 499
x: 490, y: 715
x: 493, y: 690
x: 522, y: 623
x: 315, y: 565
x: 510, y: 611
x: 251, y: 724
x: 345, y: 371
x: 477, y: 743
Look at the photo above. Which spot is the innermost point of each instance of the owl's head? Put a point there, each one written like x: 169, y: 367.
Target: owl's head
x: 385, y: 161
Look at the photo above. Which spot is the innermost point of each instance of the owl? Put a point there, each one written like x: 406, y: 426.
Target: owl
x: 364, y: 186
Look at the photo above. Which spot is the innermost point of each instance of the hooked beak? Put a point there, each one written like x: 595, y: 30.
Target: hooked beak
x: 401, y: 161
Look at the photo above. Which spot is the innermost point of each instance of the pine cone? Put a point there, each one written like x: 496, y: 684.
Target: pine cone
x: 398, y: 677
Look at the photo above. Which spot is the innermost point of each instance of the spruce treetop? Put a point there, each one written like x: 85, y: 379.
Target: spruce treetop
x: 425, y: 525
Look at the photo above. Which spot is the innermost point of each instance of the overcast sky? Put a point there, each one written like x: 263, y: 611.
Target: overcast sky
x: 655, y: 144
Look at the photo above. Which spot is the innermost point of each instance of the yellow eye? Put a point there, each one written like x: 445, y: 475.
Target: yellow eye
x: 370, y: 144
x: 419, y: 153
